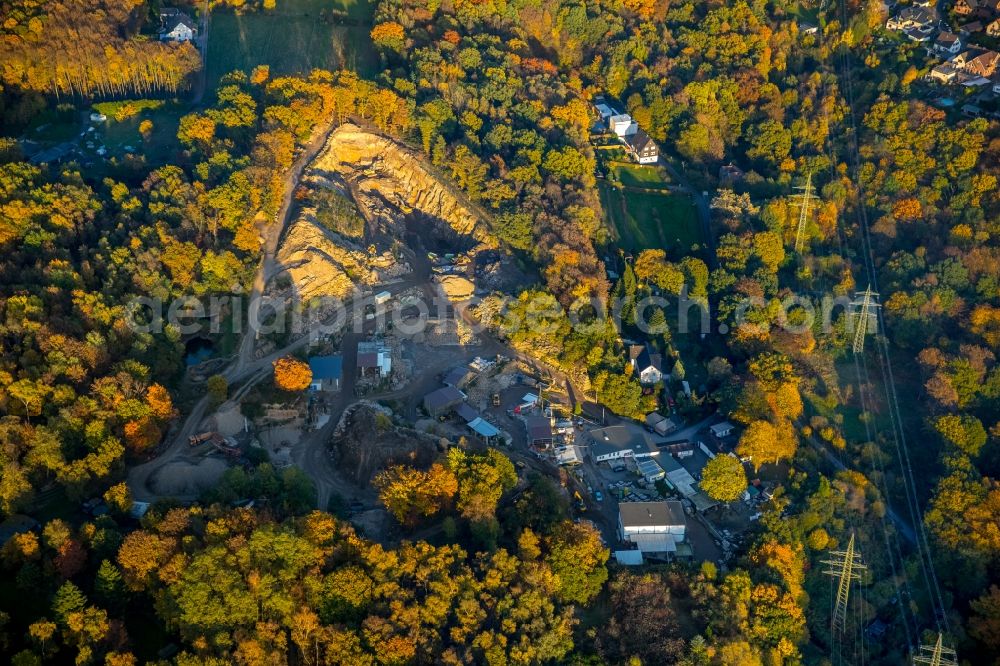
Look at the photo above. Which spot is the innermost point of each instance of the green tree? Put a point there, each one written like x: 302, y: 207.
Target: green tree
x: 218, y: 389
x: 963, y: 431
x: 68, y: 599
x: 482, y: 480
x: 577, y: 556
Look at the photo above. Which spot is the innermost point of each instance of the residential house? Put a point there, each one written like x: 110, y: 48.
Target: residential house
x: 568, y: 455
x: 920, y: 35
x: 655, y: 528
x: 978, y: 62
x: 641, y: 147
x: 720, y: 430
x: 944, y: 73
x: 326, y: 372
x: 622, y: 125
x: 948, y: 42
x: 730, y: 173
x: 970, y: 28
x: 911, y: 18
x: 996, y: 84
x: 622, y: 441
x: 993, y: 29
x: 443, y: 400
x: 646, y: 363
x: 604, y: 110
x: 176, y: 26
x: 374, y: 359
x: 16, y: 524
x: 965, y: 7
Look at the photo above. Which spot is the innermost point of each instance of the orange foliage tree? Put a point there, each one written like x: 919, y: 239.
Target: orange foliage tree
x: 160, y: 402
x: 389, y: 34
x: 291, y: 374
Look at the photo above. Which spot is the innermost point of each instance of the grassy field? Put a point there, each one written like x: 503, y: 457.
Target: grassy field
x: 298, y: 36
x: 634, y: 175
x: 650, y: 219
x: 162, y: 141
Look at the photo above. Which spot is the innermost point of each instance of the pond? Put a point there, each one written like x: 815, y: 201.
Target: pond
x: 197, y: 350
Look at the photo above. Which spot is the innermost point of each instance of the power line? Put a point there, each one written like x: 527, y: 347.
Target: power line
x: 937, y: 654
x: 846, y: 566
x: 862, y: 319
x: 899, y: 436
x: 805, y: 206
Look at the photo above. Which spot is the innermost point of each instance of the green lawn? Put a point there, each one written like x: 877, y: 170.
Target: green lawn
x: 650, y: 219
x: 635, y: 175
x: 162, y: 140
x: 298, y: 36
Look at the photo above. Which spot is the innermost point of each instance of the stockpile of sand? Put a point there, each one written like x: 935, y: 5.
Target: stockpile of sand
x: 456, y: 288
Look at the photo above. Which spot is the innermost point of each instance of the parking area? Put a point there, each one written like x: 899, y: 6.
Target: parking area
x: 602, y: 486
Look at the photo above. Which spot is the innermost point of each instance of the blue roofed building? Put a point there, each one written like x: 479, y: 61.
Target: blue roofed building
x: 326, y: 372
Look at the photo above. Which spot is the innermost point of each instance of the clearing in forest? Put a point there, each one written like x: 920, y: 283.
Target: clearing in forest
x: 296, y: 37
x: 642, y: 214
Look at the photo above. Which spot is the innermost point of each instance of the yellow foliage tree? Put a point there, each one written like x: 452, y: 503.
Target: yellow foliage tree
x: 410, y: 494
x: 985, y: 320
x: 763, y: 442
x: 119, y: 497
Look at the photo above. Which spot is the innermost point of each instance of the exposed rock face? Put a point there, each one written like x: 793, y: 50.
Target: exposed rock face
x: 390, y: 187
x: 389, y: 183
x: 321, y: 263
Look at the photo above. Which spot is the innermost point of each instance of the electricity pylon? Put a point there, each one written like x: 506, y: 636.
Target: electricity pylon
x: 845, y: 565
x: 867, y: 312
x: 936, y: 655
x: 805, y: 207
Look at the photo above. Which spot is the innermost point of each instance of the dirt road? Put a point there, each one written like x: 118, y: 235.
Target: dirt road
x: 244, y: 366
x: 271, y: 234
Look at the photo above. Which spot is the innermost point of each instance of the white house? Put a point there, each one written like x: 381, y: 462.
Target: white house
x: 654, y: 527
x: 622, y: 441
x: 911, y: 18
x: 620, y: 124
x: 646, y: 363
x: 641, y: 147
x: 176, y: 26
x: 720, y: 430
x: 948, y: 43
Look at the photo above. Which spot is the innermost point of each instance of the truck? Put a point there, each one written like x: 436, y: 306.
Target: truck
x: 195, y: 440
